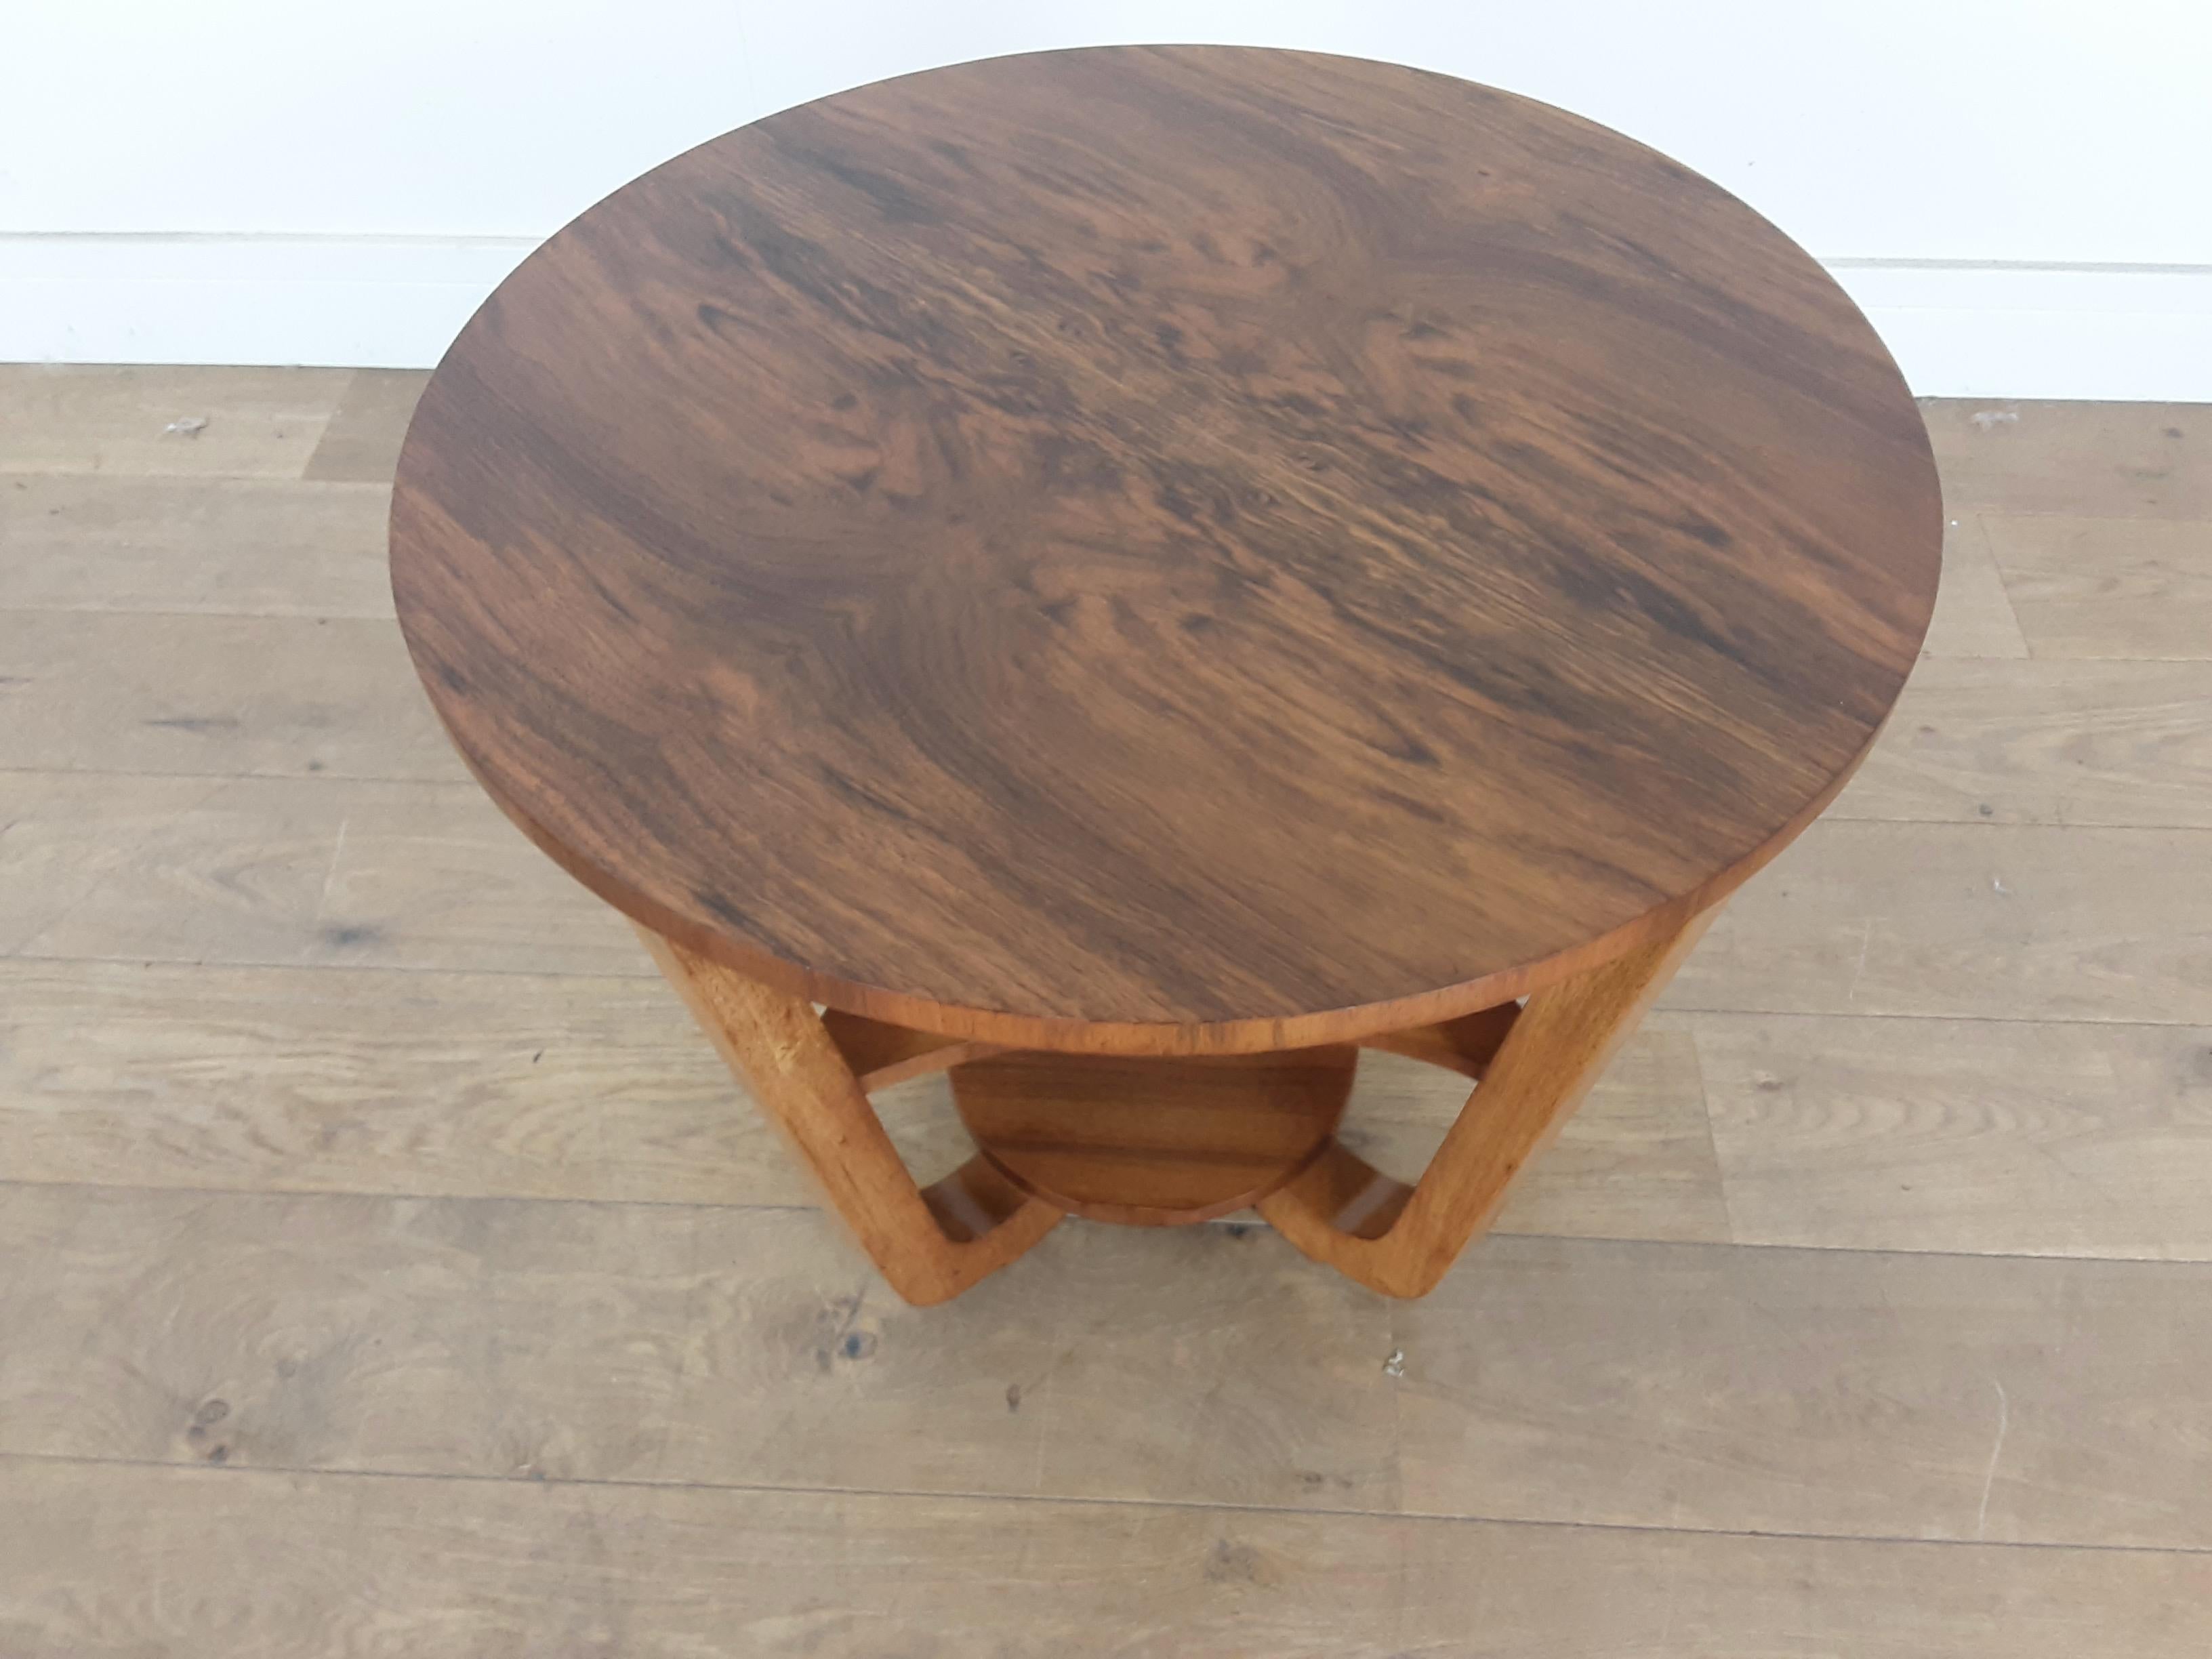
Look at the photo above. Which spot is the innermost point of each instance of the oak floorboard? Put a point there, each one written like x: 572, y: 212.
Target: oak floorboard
x: 1968, y: 921
x: 362, y: 442
x: 256, y: 422
x: 215, y: 696
x: 2116, y: 460
x: 289, y: 871
x: 521, y: 1086
x: 200, y: 1564
x: 2049, y: 743
x: 662, y: 1343
x: 1984, y: 1136
x: 1813, y: 1391
x: 1973, y: 616
x: 2108, y: 587
x: 216, y: 546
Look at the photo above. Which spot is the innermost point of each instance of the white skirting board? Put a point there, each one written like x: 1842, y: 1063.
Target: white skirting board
x: 1961, y: 328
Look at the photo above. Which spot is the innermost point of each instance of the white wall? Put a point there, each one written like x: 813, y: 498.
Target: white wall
x: 2019, y: 190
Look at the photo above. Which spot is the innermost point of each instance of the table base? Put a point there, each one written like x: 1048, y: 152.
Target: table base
x: 1165, y: 1140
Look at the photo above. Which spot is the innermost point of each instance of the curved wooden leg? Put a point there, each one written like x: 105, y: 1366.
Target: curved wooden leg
x: 929, y: 1245
x: 1400, y: 1239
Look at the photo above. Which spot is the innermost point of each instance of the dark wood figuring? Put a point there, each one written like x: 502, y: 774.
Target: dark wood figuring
x: 1177, y: 550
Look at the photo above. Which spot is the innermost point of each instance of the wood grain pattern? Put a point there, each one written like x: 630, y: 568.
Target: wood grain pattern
x: 1971, y: 920
x: 353, y: 1080
x: 1995, y: 1137
x: 260, y: 422
x: 273, y: 1566
x: 216, y: 546
x: 1822, y: 1391
x: 1974, y: 613
x: 116, y: 692
x: 1677, y: 1386
x: 1167, y: 1370
x: 533, y: 1086
x: 2052, y: 743
x: 680, y: 1345
x: 1165, y: 549
x: 1152, y: 1142
x: 2136, y: 460
x: 2108, y: 587
x: 367, y: 427
x: 288, y: 870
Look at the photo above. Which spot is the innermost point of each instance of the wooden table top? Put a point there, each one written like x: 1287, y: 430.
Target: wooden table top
x: 1165, y: 549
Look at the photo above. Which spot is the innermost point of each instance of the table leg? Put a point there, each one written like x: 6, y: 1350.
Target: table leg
x: 929, y: 1244
x: 1400, y: 1239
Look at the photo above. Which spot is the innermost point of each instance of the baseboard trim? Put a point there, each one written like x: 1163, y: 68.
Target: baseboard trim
x: 1958, y: 328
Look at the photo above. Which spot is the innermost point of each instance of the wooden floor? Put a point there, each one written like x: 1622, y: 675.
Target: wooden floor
x: 386, y: 1266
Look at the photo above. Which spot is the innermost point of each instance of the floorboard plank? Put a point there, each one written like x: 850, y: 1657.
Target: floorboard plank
x: 2048, y: 743
x: 235, y: 1565
x: 221, y: 546
x: 254, y: 422
x: 363, y: 440
x: 2119, y: 460
x: 1973, y: 616
x: 215, y: 696
x: 1963, y: 1135
x: 290, y: 870
x: 350, y: 1080
x: 1813, y: 1391
x: 2108, y: 587
x: 516, y: 1086
x: 660, y: 1343
x: 1969, y: 920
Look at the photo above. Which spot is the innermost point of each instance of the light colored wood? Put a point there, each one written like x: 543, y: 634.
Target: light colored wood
x: 929, y: 1245
x: 363, y: 439
x: 527, y: 1086
x: 1991, y: 1136
x: 2138, y: 460
x: 1834, y: 1392
x: 282, y: 871
x: 353, y: 1080
x: 2108, y: 587
x: 2052, y: 743
x: 260, y: 422
x: 527, y: 1340
x: 1980, y: 920
x: 238, y: 1565
x: 116, y: 691
x: 1973, y: 616
x: 1152, y: 1142
x: 219, y: 546
x: 1401, y: 1241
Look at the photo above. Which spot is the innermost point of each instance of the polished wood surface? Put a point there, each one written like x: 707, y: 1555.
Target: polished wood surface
x: 1150, y: 1142
x: 331, y: 1111
x: 1180, y: 550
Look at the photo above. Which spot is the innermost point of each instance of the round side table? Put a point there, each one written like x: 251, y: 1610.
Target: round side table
x: 1133, y: 573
